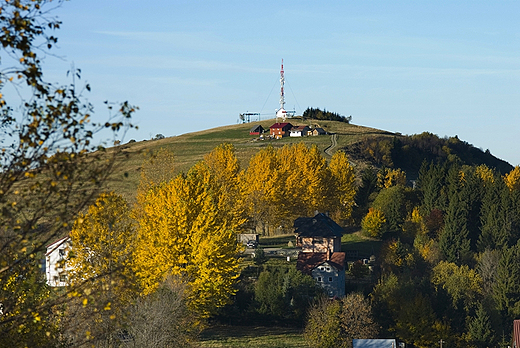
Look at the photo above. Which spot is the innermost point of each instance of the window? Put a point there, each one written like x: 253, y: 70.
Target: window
x: 321, y: 268
x: 63, y: 278
x: 328, y: 269
x: 319, y: 279
x: 61, y: 253
x: 330, y: 279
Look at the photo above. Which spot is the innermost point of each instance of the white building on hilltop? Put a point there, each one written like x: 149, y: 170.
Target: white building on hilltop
x: 56, y: 271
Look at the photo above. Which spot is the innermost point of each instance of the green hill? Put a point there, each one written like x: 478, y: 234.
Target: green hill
x: 401, y: 151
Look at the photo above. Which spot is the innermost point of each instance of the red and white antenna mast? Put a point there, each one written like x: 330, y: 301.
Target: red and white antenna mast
x: 281, y: 112
x: 282, y: 83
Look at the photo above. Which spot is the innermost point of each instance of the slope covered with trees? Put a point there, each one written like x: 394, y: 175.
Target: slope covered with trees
x: 409, y: 152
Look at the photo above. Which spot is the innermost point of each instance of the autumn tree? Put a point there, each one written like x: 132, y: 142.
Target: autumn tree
x: 50, y: 168
x: 512, y: 179
x: 373, y: 223
x: 283, y: 184
x: 462, y: 283
x: 263, y: 189
x: 227, y: 177
x: 342, y: 185
x: 335, y: 323
x: 392, y: 202
x: 182, y: 232
x: 391, y: 177
x: 285, y: 293
x: 161, y: 319
x: 100, y: 273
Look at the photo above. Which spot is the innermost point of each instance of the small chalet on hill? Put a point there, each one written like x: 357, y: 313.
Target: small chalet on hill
x: 257, y: 130
x: 321, y: 256
x: 280, y: 130
x: 318, y: 131
x: 299, y: 131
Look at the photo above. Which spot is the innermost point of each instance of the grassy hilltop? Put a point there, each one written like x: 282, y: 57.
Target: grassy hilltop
x: 190, y: 148
x: 364, y: 146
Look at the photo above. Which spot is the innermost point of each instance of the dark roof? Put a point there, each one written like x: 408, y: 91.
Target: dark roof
x: 281, y: 125
x: 318, y: 226
x: 299, y: 128
x: 309, y: 261
x: 257, y: 128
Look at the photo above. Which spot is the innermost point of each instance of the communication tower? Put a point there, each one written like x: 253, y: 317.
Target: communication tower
x: 281, y: 113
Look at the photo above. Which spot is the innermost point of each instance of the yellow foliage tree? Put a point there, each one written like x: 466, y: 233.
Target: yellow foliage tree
x: 485, y: 174
x: 263, y: 187
x: 391, y: 177
x: 281, y: 185
x: 226, y: 177
x: 461, y: 282
x: 100, y: 262
x: 304, y: 171
x: 102, y: 242
x: 342, y: 184
x: 512, y: 179
x: 182, y: 232
x: 373, y: 223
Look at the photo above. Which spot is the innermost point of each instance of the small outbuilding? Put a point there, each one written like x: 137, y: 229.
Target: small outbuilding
x: 318, y: 131
x: 257, y: 130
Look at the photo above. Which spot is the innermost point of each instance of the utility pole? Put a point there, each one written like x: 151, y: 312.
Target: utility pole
x: 441, y: 342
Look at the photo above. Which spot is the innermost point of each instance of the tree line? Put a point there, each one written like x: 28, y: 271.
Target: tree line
x: 317, y: 114
x: 449, y: 263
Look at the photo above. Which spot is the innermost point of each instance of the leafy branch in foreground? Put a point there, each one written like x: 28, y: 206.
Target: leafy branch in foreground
x: 50, y: 170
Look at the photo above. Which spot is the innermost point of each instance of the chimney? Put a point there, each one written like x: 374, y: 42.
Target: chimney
x: 328, y: 254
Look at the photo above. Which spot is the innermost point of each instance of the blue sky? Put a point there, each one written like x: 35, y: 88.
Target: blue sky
x: 447, y: 67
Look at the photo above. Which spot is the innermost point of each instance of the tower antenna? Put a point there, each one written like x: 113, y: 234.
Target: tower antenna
x: 281, y: 113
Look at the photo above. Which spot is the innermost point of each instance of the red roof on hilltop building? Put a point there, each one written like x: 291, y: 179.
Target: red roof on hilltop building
x: 280, y: 125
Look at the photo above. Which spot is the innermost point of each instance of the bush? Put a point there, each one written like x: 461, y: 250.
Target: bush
x: 334, y: 323
x: 373, y: 223
x: 285, y: 294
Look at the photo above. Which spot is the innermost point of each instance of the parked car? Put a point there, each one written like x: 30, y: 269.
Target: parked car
x: 252, y: 244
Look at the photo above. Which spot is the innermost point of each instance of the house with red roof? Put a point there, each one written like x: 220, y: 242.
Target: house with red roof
x: 321, y: 256
x: 280, y: 130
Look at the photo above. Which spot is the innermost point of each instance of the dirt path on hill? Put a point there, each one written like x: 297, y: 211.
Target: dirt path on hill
x: 334, y: 143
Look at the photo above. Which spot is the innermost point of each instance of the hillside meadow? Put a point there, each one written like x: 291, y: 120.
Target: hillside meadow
x: 190, y: 148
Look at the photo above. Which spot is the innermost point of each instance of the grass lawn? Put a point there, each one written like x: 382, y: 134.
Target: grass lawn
x: 364, y: 245
x: 251, y: 337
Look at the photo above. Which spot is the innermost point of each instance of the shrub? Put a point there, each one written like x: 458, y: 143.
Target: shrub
x: 373, y: 223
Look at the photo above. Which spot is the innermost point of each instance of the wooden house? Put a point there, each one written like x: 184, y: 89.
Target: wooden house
x: 280, y: 130
x: 318, y: 234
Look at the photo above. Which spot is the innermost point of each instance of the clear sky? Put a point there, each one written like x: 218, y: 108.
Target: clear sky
x: 447, y: 67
